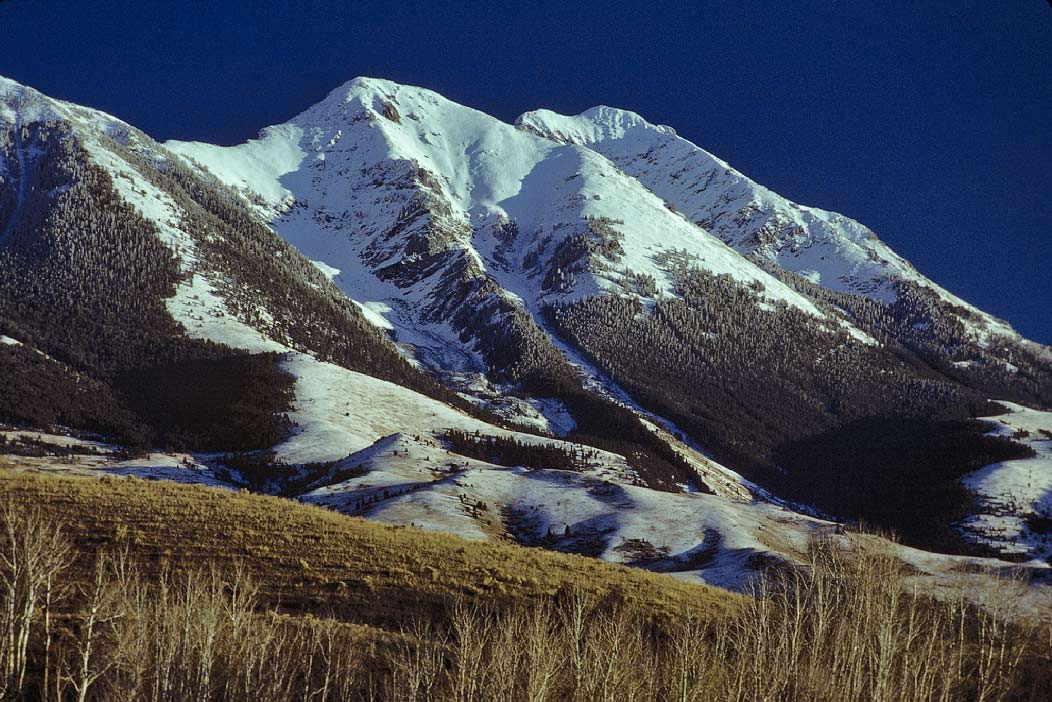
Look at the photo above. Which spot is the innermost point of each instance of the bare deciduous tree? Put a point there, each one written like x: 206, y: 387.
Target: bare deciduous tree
x: 33, y: 553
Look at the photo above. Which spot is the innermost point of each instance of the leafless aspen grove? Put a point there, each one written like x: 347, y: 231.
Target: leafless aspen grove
x: 844, y: 626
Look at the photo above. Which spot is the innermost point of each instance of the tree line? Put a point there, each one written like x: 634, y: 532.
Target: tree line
x: 509, y: 451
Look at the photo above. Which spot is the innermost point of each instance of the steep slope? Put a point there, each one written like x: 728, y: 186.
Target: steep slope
x: 127, y: 269
x: 824, y: 247
x: 807, y: 246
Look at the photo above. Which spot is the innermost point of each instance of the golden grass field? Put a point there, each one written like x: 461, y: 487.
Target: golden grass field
x: 312, y: 559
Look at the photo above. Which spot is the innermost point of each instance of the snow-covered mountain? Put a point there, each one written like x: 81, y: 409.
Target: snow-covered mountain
x: 395, y: 191
x: 418, y: 206
x: 223, y: 281
x: 460, y: 235
x: 593, y: 290
x: 825, y: 247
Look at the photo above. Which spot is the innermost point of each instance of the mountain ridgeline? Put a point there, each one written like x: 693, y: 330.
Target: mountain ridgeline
x: 585, y: 278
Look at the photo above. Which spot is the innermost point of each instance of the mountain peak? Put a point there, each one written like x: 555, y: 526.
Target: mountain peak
x: 12, y: 95
x: 374, y: 93
x: 8, y: 85
x: 364, y: 84
x: 595, y: 124
x: 22, y: 104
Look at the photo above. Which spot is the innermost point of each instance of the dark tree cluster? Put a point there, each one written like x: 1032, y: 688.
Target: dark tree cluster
x: 507, y: 451
x: 594, y: 248
x: 922, y: 323
x: 612, y: 427
x: 37, y: 448
x: 744, y: 379
x: 83, y: 276
x: 747, y: 380
x: 40, y: 392
x: 516, y: 350
x: 898, y: 473
x: 1040, y: 523
x: 82, y: 279
x: 220, y: 404
x: 262, y: 471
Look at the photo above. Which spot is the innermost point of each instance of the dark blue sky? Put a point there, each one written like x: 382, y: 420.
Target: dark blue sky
x: 932, y: 124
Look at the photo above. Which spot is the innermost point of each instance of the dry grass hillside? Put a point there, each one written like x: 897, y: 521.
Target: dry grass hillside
x: 312, y: 559
x: 126, y: 589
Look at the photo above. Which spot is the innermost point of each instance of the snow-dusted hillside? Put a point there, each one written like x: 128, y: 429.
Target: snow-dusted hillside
x: 406, y: 480
x: 413, y: 480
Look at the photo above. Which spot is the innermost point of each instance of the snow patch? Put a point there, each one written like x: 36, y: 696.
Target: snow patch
x: 326, y: 269
x: 374, y: 314
x: 1011, y: 494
